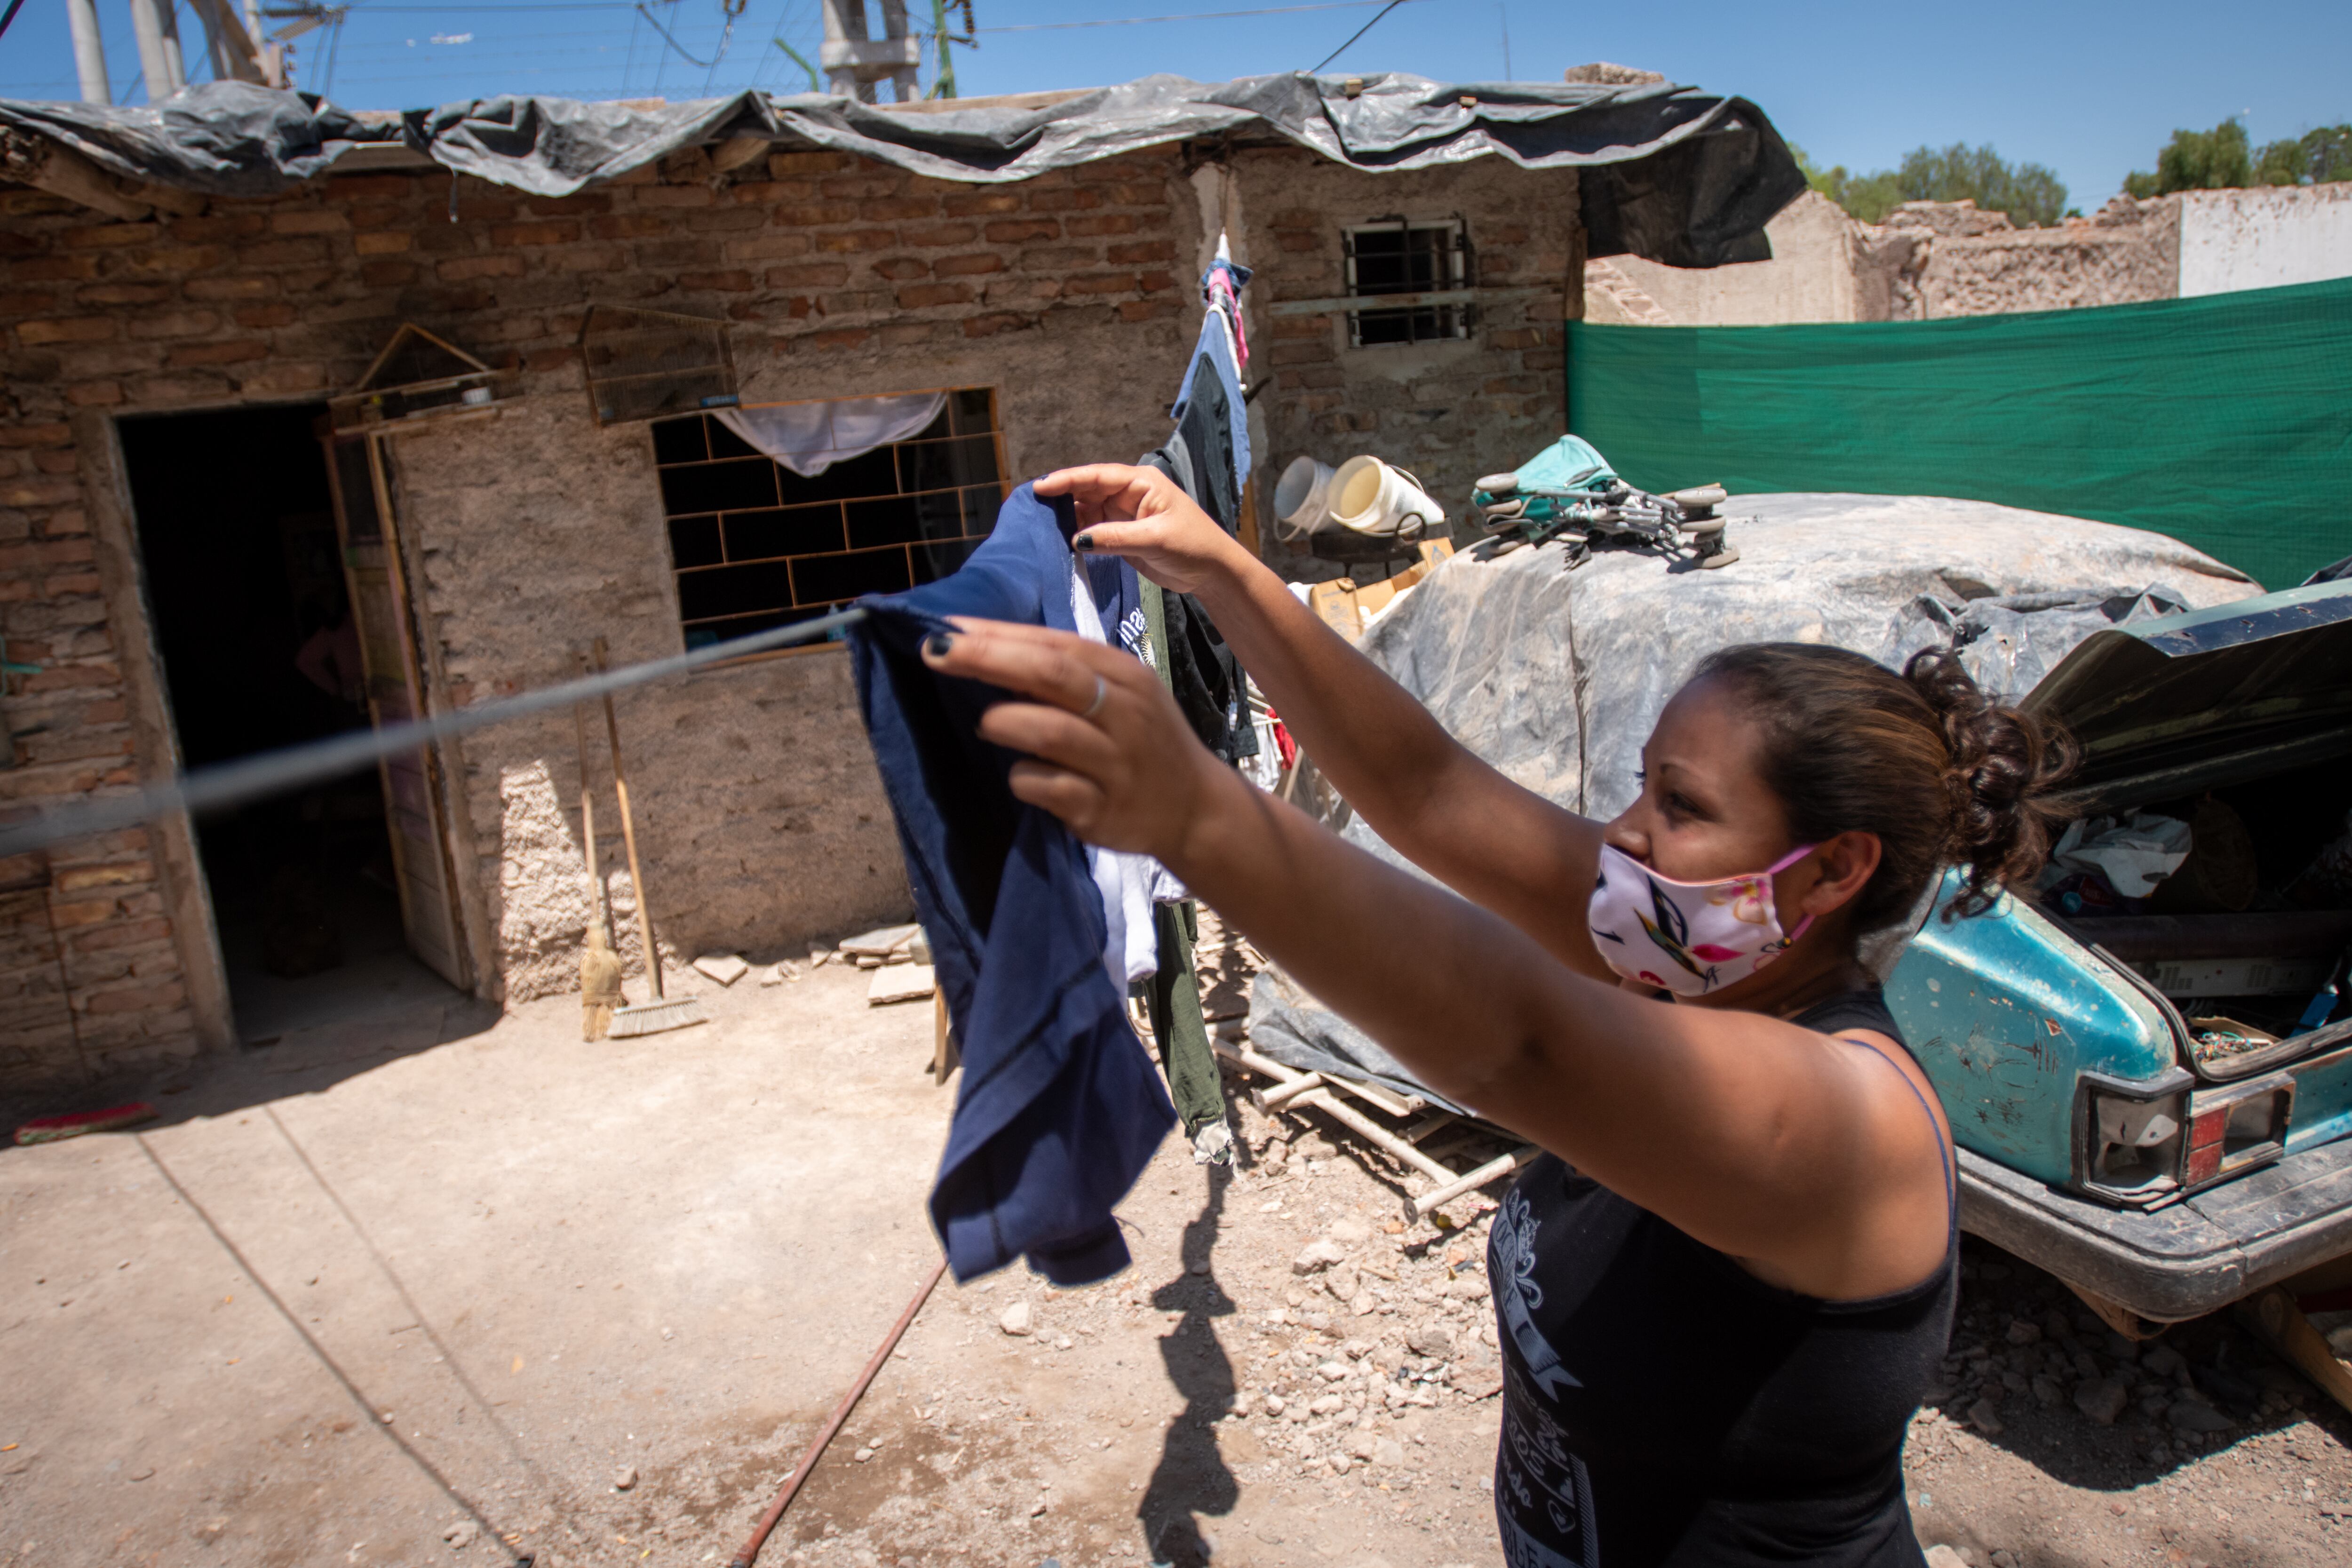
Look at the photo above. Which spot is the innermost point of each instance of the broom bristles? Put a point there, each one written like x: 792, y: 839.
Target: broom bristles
x: 653, y: 1017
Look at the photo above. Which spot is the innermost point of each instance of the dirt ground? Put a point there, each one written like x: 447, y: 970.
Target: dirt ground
x: 429, y: 1285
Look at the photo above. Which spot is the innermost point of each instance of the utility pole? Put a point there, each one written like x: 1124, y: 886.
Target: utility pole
x: 157, y: 29
x: 854, y: 61
x: 89, y: 51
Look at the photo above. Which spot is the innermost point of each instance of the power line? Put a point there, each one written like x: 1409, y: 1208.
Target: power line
x: 1200, y: 17
x: 1367, y: 27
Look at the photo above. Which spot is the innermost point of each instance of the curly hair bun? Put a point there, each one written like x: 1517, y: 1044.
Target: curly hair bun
x: 2001, y: 783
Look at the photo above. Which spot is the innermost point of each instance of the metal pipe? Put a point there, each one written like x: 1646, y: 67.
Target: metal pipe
x: 89, y: 51
x: 158, y: 31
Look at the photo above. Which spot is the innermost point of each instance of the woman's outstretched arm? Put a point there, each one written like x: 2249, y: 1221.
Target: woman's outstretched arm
x: 1491, y: 840
x: 1757, y: 1137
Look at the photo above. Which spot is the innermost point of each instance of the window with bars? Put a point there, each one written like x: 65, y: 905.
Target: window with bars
x: 1396, y: 255
x: 756, y: 545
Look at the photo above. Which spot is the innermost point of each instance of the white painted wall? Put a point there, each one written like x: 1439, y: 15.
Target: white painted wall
x: 2264, y: 238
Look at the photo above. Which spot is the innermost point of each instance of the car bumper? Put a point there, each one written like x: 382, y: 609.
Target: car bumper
x: 2183, y: 1261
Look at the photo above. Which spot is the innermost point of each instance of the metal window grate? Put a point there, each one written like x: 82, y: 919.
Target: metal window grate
x: 643, y: 364
x: 755, y: 545
x: 1396, y: 255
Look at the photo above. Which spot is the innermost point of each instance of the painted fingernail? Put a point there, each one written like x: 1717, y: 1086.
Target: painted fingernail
x: 1083, y: 542
x: 937, y: 644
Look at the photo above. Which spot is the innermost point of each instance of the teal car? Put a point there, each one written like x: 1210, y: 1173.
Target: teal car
x: 2110, y: 1131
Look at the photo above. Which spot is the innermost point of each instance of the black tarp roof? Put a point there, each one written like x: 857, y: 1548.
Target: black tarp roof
x: 1679, y: 175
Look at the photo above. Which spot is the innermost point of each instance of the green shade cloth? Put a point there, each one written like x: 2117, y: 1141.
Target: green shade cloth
x: 2225, y: 421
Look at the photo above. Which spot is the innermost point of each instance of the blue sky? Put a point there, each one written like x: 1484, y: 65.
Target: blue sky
x: 2093, y: 90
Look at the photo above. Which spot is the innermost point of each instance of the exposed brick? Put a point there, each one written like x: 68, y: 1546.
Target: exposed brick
x: 69, y: 330
x: 673, y: 196
x: 1141, y: 250
x: 1514, y: 338
x: 112, y: 236
x: 844, y: 338
x: 462, y: 268
x: 980, y: 204
x: 256, y: 317
x: 135, y: 998
x: 38, y: 492
x: 930, y: 237
x: 552, y: 231
x: 124, y: 293
x: 174, y: 323
x: 766, y: 248
x: 83, y: 913
x: 1016, y: 230
x: 991, y: 323
x: 95, y: 394
x: 74, y: 587
x: 1099, y: 223
x: 386, y: 242
x: 1059, y: 257
x: 906, y: 334
x: 388, y: 274
x: 1049, y: 200
x: 53, y: 270
x: 360, y: 187
x: 896, y: 209
x: 36, y: 435
x: 788, y: 166
x: 969, y: 264
x: 316, y: 220
x: 629, y: 226
x: 294, y: 250
x: 578, y: 204
x: 81, y: 879
x: 722, y: 282
x: 809, y: 275
x: 1101, y: 283
x: 238, y: 353
x: 280, y: 377
x: 1292, y: 241
x: 857, y: 240
x: 231, y: 287
x: 27, y: 302
x: 920, y: 296
x: 47, y: 553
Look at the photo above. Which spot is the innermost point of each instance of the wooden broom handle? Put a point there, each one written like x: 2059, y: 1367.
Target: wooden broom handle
x: 588, y: 814
x: 629, y: 837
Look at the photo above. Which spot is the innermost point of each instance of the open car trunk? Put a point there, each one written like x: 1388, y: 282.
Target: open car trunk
x: 2236, y: 721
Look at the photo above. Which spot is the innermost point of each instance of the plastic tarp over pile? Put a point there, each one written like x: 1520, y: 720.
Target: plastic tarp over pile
x: 1711, y: 170
x: 1556, y: 677
x: 2218, y: 420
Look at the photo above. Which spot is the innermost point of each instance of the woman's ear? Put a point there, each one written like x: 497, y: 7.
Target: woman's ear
x: 1847, y: 862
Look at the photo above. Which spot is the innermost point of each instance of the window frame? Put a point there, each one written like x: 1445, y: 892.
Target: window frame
x: 676, y: 572
x: 1458, y: 259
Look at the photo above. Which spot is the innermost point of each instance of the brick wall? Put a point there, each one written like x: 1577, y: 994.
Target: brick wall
x: 760, y: 818
x: 1448, y: 411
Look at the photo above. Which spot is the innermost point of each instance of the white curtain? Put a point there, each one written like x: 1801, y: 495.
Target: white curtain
x: 810, y: 437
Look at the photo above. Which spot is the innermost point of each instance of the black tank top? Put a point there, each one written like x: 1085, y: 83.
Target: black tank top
x: 1663, y: 1405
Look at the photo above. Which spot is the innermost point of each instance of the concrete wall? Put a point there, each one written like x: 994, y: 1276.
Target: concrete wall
x: 1929, y: 260
x: 1825, y: 268
x: 760, y: 818
x: 2264, y: 239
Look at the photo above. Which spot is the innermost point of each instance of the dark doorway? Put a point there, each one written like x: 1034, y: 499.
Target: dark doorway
x: 252, y: 617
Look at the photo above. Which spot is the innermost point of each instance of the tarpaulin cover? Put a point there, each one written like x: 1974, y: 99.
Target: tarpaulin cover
x: 1687, y: 177
x: 2218, y: 420
x: 1556, y: 677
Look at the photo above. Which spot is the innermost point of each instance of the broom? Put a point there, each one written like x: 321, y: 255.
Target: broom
x: 661, y: 1012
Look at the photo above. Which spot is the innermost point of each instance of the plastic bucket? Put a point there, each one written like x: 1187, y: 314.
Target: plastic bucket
x: 1302, y: 496
x: 1368, y: 496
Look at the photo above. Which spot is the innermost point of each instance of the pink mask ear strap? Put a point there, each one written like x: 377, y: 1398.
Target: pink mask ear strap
x: 1790, y: 859
x: 1802, y: 926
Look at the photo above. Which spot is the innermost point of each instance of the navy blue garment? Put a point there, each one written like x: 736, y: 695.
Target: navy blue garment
x: 1060, y: 1108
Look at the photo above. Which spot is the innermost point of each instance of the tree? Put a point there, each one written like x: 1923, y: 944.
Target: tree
x: 2030, y: 194
x: 2222, y: 159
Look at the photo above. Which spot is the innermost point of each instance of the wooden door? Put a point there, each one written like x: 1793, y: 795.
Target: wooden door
x: 381, y: 614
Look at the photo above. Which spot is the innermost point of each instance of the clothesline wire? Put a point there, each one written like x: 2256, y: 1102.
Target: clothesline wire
x: 1358, y: 33
x: 274, y: 773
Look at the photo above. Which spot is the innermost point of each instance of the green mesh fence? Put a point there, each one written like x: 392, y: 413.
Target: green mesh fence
x: 2225, y: 421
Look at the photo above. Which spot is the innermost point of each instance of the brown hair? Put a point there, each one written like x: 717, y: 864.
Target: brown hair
x: 1941, y: 773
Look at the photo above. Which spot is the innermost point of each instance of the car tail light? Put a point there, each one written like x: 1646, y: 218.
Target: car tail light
x: 2132, y: 1138
x: 2238, y: 1126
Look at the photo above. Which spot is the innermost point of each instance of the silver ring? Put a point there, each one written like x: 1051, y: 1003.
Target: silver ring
x: 1102, y: 689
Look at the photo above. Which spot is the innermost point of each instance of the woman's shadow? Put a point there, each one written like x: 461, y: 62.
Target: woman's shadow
x: 1192, y: 1479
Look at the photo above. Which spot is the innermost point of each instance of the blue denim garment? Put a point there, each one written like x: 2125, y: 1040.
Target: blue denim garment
x: 1059, y: 1108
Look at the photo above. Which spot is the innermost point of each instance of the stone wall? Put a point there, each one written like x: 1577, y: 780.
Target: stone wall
x: 761, y: 819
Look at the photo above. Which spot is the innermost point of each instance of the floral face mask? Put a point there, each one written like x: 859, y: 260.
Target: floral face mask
x: 1690, y: 938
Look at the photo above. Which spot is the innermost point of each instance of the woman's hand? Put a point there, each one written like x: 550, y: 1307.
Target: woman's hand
x: 1141, y: 515
x: 1108, y: 752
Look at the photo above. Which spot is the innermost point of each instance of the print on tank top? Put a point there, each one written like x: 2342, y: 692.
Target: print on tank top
x: 1543, y: 1498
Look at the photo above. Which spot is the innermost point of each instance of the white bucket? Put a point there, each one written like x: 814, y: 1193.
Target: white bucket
x: 1302, y: 497
x: 1369, y: 496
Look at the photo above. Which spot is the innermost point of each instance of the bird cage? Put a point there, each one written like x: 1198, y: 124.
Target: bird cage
x: 643, y: 364
x: 417, y: 377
